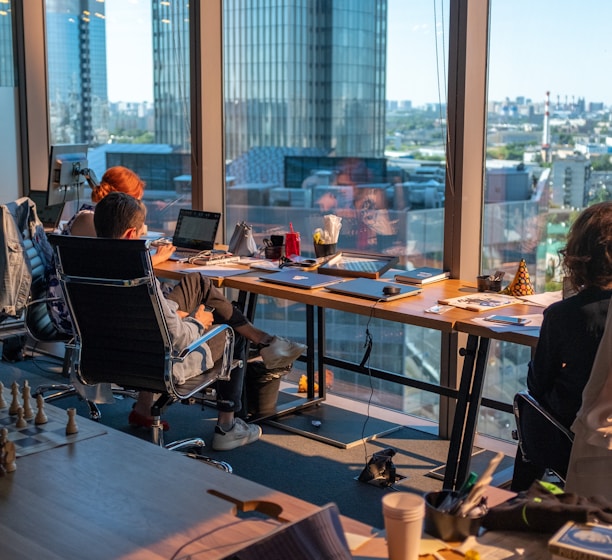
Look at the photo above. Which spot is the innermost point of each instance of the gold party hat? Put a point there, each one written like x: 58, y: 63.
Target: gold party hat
x: 521, y: 285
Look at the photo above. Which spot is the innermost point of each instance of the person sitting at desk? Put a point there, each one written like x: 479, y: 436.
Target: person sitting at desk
x: 572, y: 329
x: 121, y: 216
x: 115, y: 179
x: 276, y: 352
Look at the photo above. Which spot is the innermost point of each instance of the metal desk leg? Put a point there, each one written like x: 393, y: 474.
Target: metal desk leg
x: 466, y: 413
x: 320, y: 349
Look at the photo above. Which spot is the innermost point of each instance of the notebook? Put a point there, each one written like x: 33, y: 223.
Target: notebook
x: 300, y: 279
x: 195, y: 232
x: 422, y: 275
x: 369, y: 288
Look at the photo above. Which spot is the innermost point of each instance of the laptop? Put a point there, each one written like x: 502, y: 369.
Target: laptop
x: 299, y: 279
x: 369, y: 288
x: 195, y: 233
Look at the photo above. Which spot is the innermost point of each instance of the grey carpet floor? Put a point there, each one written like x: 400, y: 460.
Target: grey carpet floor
x: 288, y: 462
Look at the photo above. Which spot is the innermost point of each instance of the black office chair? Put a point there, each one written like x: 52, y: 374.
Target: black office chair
x: 542, y: 439
x: 121, y: 333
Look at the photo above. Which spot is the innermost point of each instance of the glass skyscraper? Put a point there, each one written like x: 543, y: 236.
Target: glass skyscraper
x: 305, y: 74
x: 76, y: 58
x: 301, y: 74
x: 171, y: 74
x: 7, y: 60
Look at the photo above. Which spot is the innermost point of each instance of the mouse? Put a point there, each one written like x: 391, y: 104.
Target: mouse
x: 391, y: 290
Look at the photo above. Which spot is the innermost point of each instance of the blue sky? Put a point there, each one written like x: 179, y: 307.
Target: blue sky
x: 561, y: 46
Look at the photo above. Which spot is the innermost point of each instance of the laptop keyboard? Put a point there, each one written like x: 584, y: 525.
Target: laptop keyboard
x: 183, y: 255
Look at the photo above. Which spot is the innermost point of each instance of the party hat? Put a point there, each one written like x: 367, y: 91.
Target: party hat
x: 521, y: 285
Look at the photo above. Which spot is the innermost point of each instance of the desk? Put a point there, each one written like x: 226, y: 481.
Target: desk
x: 471, y: 384
x: 410, y: 310
x: 116, y: 496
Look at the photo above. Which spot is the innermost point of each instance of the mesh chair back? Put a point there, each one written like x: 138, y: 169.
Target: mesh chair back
x: 36, y: 317
x: 110, y: 289
x: 542, y: 439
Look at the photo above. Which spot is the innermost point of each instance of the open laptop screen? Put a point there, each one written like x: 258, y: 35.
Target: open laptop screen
x: 196, y: 230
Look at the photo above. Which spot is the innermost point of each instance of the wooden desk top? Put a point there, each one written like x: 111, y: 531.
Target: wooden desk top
x: 117, y: 496
x: 409, y: 310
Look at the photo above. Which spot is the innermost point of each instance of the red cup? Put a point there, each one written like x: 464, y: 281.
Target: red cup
x: 292, y: 244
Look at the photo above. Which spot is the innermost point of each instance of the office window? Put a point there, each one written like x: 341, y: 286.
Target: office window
x: 548, y: 148
x: 339, y: 107
x: 7, y: 60
x: 119, y: 82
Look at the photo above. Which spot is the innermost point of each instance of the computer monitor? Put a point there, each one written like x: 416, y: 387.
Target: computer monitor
x: 68, y: 170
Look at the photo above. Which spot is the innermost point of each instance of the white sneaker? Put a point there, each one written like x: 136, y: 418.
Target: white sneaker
x: 281, y: 352
x: 241, y: 434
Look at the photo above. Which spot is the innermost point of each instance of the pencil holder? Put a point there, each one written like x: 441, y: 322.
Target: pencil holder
x: 444, y: 525
x: 325, y: 249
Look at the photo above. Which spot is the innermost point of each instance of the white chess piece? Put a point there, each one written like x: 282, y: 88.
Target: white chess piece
x: 10, y: 454
x: 21, y: 421
x: 41, y: 417
x: 28, y: 413
x: 15, y: 401
x: 2, y: 401
x: 71, y: 426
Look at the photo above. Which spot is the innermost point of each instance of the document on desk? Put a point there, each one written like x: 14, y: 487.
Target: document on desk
x: 218, y: 271
x: 481, y: 301
x: 542, y: 300
x: 501, y: 545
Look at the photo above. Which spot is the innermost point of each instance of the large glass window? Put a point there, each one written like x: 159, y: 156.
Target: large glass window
x: 7, y: 60
x: 119, y: 82
x: 548, y: 148
x: 339, y: 107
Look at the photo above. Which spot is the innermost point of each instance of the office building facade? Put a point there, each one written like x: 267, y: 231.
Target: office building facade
x: 300, y: 75
x: 305, y: 75
x: 77, y: 79
x: 171, y: 94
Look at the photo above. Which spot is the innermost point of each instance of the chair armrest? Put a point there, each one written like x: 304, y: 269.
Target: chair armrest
x: 210, y: 333
x: 227, y: 352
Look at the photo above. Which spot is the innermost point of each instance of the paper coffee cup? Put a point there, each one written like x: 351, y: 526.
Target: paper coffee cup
x: 403, y: 514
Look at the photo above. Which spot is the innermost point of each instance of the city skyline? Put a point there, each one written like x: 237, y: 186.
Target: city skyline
x: 550, y: 51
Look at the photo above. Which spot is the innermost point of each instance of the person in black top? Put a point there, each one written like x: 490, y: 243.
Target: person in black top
x: 572, y: 328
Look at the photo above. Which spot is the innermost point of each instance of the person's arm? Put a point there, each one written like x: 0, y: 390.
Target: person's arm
x: 544, y: 367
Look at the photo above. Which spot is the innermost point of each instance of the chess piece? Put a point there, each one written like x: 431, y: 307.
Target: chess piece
x: 21, y: 421
x: 10, y: 454
x: 2, y: 401
x: 41, y: 417
x: 28, y: 413
x: 15, y: 400
x: 71, y: 426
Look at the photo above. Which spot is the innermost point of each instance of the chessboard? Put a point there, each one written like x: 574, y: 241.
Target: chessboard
x: 34, y: 438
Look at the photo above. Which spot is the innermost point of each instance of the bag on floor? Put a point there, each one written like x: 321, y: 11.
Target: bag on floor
x: 380, y: 470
